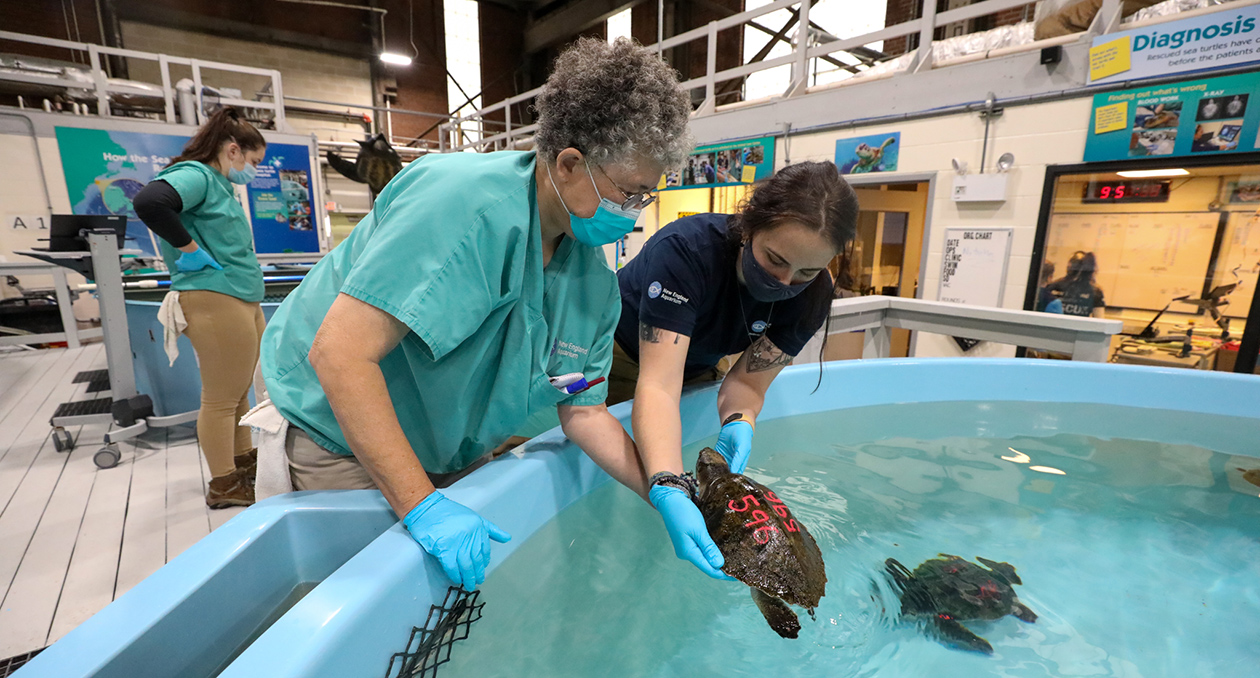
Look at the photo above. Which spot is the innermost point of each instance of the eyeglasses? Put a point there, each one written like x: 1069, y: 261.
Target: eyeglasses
x: 633, y: 201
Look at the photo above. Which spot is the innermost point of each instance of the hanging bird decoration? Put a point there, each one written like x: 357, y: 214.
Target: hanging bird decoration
x: 376, y: 164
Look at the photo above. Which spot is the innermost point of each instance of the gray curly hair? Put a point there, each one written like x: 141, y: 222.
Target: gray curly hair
x: 613, y: 102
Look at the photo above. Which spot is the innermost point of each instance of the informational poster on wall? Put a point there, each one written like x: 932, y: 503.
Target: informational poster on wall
x: 1206, y: 117
x: 1216, y: 40
x: 973, y: 268
x: 863, y: 155
x: 105, y: 169
x: 280, y: 201
x: 727, y: 164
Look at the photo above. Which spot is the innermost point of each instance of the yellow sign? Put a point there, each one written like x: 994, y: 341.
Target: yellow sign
x: 1111, y: 118
x: 687, y: 214
x: 1109, y: 58
x: 749, y: 174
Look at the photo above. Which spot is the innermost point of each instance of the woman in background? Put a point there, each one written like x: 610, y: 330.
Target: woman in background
x: 208, y: 247
x: 1076, y: 290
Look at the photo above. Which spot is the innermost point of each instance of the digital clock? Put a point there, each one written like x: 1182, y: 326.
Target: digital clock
x: 1139, y: 190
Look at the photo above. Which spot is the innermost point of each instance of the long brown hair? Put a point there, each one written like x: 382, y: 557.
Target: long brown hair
x: 812, y: 194
x: 226, y: 125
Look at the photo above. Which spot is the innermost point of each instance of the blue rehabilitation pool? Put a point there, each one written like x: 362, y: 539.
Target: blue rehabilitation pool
x: 1119, y: 494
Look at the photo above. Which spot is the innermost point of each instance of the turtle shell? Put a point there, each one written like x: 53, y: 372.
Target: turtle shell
x: 764, y: 544
x: 959, y: 588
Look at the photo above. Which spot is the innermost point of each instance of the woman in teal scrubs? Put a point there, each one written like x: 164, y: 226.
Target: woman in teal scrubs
x: 208, y: 246
x: 429, y: 336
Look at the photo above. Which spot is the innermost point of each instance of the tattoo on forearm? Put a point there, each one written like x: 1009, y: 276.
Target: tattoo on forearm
x: 650, y: 334
x: 764, y: 355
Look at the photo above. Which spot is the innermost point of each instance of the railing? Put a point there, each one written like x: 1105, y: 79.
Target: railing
x: 102, y: 88
x: 802, y: 54
x: 1083, y: 338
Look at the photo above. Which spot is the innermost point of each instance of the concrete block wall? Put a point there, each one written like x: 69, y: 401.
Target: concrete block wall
x: 304, y: 73
x: 1046, y: 134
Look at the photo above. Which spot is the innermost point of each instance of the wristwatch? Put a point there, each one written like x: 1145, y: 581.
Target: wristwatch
x: 740, y: 416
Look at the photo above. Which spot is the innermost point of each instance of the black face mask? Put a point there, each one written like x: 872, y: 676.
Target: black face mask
x: 761, y: 285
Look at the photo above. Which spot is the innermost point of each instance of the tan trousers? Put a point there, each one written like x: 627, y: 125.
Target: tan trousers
x: 225, y: 333
x: 311, y: 467
x: 624, y: 374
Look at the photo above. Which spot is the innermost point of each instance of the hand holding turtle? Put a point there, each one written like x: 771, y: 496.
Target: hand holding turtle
x: 456, y: 535
x: 735, y: 443
x: 687, y: 531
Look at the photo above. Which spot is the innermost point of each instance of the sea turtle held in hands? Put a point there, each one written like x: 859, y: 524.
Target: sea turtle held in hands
x: 763, y: 544
x: 376, y: 164
x: 950, y: 590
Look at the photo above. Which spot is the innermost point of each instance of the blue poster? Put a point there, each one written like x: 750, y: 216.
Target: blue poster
x: 875, y: 153
x: 1198, y: 117
x: 728, y: 164
x: 104, y: 171
x: 280, y: 201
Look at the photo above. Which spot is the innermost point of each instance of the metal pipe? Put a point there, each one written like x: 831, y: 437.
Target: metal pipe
x: 343, y: 5
x: 39, y: 159
x: 391, y: 110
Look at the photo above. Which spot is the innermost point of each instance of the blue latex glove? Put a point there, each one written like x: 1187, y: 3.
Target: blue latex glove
x: 456, y: 536
x: 195, y: 261
x: 735, y: 443
x: 686, y: 529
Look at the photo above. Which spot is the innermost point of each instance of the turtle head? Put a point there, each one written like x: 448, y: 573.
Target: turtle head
x: 710, y: 465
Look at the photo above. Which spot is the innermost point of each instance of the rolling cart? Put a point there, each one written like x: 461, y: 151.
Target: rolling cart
x: 128, y: 412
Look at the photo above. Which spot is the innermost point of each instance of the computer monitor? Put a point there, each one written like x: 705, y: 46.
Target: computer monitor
x: 63, y: 232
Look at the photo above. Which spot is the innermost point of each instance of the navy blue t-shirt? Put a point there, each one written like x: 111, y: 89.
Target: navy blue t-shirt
x: 685, y: 281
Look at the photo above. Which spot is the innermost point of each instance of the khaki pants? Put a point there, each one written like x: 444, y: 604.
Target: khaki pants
x: 311, y: 467
x: 624, y: 374
x: 225, y: 333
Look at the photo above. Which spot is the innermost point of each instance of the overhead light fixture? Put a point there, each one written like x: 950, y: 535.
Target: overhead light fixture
x: 1142, y: 174
x: 396, y: 58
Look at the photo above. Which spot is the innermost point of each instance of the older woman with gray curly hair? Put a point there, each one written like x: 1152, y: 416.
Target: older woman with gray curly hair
x: 473, y: 295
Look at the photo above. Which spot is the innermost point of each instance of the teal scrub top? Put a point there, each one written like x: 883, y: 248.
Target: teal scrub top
x: 218, y: 224
x: 453, y: 249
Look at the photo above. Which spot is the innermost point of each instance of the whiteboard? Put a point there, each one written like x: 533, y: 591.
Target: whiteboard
x: 973, y: 269
x: 1144, y: 259
x: 1240, y: 249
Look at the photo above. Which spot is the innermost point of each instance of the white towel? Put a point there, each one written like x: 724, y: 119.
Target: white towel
x: 273, y: 461
x: 171, y: 315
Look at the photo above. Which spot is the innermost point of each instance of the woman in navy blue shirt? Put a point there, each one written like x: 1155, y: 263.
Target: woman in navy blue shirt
x: 712, y: 285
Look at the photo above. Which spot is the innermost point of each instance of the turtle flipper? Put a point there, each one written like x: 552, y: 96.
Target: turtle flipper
x: 1006, y: 570
x: 899, y: 573
x: 777, y: 613
x: 344, y: 167
x: 949, y: 632
x: 1022, y: 613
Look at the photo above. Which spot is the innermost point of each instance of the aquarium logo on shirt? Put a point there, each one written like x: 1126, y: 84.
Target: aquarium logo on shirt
x: 568, y: 350
x: 654, y: 290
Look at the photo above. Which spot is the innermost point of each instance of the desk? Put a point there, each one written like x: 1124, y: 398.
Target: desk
x: 1199, y: 358
x: 70, y: 329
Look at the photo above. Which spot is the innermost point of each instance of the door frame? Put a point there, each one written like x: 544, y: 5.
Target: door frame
x: 879, y: 179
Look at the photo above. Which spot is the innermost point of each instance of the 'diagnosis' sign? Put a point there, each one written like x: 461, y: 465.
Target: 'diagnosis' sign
x: 1220, y: 39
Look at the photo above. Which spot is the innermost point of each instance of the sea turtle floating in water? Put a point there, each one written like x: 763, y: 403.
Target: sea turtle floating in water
x: 764, y: 545
x: 951, y: 590
x: 376, y: 164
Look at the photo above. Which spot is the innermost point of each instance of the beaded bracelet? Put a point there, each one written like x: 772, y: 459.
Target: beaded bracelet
x: 684, y: 482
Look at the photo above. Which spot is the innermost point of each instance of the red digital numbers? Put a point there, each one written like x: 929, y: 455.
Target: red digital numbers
x: 1119, y: 191
x: 1104, y: 192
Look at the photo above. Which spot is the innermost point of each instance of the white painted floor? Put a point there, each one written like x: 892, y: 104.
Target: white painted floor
x: 74, y: 537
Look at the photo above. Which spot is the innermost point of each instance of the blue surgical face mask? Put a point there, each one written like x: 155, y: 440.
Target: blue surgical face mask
x: 763, y: 286
x: 242, y: 176
x: 609, y: 224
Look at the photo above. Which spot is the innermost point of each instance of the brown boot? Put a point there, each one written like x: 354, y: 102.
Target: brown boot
x: 233, y: 489
x: 249, y: 461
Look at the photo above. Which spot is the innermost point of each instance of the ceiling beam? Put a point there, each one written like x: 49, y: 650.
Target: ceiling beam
x: 569, y: 20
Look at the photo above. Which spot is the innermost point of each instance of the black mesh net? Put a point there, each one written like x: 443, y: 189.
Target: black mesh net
x: 430, y: 647
x: 8, y: 666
